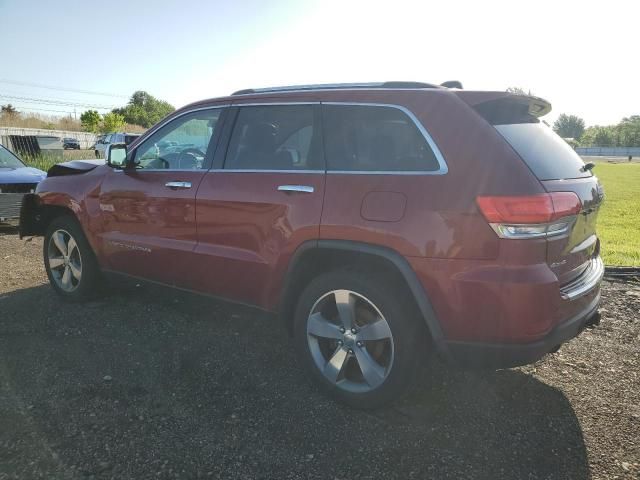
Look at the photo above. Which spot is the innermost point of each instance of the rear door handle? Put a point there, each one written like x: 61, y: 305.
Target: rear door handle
x: 176, y: 185
x: 296, y: 188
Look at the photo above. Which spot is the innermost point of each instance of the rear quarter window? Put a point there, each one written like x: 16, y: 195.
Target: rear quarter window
x: 546, y: 154
x: 375, y: 138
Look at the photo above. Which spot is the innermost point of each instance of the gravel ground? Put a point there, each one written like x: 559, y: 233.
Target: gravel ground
x: 151, y: 384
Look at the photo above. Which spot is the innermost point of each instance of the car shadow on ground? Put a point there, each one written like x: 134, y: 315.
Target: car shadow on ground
x: 8, y: 229
x: 148, y: 383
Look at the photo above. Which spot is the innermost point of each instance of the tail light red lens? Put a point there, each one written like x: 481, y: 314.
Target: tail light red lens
x: 531, y: 209
x: 531, y: 216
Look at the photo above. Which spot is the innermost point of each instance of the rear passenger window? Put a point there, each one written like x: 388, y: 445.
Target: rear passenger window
x: 275, y: 137
x: 374, y: 138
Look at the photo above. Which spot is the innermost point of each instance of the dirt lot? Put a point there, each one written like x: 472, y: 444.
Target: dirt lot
x: 151, y: 384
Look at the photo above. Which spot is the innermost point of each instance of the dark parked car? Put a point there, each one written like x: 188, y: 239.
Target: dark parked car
x: 70, y: 143
x: 382, y: 222
x: 16, y: 179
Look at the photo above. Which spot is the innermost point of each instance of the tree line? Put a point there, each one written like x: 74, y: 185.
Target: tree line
x: 624, y: 134
x: 143, y: 109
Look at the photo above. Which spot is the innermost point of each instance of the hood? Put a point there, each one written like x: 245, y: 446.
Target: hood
x: 74, y: 167
x: 21, y: 175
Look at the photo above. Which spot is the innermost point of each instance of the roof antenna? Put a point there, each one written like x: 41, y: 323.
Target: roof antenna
x: 452, y: 84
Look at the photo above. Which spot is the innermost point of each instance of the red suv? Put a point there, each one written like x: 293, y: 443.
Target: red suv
x: 380, y: 221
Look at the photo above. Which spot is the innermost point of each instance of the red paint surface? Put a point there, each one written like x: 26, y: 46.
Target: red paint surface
x: 233, y: 234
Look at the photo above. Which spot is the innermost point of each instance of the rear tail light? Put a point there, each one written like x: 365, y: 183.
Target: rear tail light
x: 531, y: 216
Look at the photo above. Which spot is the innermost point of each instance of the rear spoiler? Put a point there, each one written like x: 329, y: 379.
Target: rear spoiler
x: 505, y: 107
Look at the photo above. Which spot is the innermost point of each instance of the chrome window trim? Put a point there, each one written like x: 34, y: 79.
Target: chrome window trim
x: 443, y: 170
x: 140, y: 170
x: 257, y: 170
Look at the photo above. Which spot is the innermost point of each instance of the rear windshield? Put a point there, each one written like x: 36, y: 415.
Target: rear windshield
x: 130, y: 138
x: 546, y: 154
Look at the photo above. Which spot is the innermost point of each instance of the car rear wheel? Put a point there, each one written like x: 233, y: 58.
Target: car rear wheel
x: 357, y: 337
x: 69, y: 260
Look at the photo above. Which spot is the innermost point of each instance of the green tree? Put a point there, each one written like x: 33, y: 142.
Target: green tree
x: 569, y: 126
x: 90, y: 121
x: 629, y: 131
x: 8, y: 110
x: 112, y: 122
x: 144, y: 109
x: 598, y: 136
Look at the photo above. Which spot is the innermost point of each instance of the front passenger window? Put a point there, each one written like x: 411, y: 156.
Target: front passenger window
x: 181, y: 144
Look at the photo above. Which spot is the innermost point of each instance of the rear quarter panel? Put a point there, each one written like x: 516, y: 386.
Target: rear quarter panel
x: 441, y: 219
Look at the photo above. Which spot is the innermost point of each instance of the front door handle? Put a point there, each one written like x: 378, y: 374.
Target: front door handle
x: 296, y: 188
x: 176, y: 185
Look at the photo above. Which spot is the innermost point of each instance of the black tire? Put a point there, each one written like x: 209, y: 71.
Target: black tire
x: 395, y: 305
x: 90, y: 282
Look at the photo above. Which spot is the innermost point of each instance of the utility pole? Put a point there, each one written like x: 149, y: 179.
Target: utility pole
x: 74, y: 114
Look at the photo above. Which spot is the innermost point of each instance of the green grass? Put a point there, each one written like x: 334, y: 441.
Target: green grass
x: 45, y: 161
x: 619, y: 218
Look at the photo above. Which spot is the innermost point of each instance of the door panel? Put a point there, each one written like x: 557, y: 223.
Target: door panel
x: 148, y: 210
x: 261, y: 202
x: 149, y: 229
x: 247, y: 229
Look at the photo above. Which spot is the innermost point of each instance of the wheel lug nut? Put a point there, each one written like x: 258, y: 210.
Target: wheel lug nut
x: 360, y: 344
x: 340, y: 343
x: 351, y: 351
x: 353, y: 330
x: 342, y: 330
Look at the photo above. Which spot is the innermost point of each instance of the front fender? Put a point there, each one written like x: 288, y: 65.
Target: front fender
x: 39, y: 209
x: 30, y: 216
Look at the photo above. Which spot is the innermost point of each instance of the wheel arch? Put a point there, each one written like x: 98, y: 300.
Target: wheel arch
x: 35, y: 215
x: 319, y: 256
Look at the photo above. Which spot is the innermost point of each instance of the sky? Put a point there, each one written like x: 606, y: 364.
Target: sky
x: 582, y: 56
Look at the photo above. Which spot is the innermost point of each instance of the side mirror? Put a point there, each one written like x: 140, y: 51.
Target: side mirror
x: 117, y: 155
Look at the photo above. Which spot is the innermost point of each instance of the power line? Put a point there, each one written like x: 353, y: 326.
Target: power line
x: 62, y: 89
x: 65, y: 103
x: 18, y: 108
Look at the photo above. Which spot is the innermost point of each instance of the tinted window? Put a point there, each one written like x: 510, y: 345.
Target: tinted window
x: 275, y: 138
x: 181, y: 144
x: 368, y: 138
x: 548, y: 155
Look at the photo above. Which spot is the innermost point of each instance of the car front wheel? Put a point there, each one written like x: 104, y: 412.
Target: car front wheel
x: 358, y: 337
x: 69, y: 260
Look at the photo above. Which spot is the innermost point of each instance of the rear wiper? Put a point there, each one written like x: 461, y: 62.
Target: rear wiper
x: 587, y: 166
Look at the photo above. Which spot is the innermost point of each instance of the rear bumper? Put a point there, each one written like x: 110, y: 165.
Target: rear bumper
x: 492, y: 355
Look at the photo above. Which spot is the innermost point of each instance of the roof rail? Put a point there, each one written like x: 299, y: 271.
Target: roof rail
x: 336, y: 86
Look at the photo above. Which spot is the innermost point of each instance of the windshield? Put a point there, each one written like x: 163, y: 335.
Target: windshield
x: 546, y: 154
x: 8, y: 159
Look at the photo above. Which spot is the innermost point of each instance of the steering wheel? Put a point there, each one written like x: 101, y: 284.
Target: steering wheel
x: 196, y: 152
x: 158, y: 164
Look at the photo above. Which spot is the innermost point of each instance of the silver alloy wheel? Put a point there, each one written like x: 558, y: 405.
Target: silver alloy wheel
x: 65, y: 262
x: 350, y: 341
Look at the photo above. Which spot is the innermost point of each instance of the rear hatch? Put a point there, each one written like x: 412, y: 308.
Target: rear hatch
x: 559, y: 169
